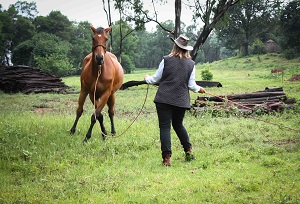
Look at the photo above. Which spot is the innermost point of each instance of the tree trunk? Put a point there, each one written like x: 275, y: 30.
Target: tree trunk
x: 202, y: 38
x: 177, y: 18
x: 222, y: 8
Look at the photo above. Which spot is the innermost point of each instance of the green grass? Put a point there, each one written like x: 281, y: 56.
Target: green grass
x: 239, y: 160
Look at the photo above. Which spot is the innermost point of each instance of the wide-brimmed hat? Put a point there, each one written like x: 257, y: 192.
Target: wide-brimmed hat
x: 182, y: 42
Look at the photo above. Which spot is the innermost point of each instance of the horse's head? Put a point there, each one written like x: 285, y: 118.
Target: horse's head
x: 99, y: 43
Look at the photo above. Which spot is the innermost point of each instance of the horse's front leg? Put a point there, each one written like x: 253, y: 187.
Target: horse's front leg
x: 93, y: 121
x: 99, y: 104
x: 111, y: 111
x: 79, y: 110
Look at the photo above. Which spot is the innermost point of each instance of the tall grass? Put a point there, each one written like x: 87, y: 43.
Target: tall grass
x: 239, y: 160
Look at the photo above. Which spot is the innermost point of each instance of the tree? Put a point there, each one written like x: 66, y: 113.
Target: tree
x: 16, y: 26
x: 249, y: 20
x: 128, y: 44
x: 152, y: 46
x: 46, y: 51
x: 290, y: 23
x: 55, y: 23
x: 26, y: 9
x: 210, y: 13
x: 81, y: 44
x: 6, y: 36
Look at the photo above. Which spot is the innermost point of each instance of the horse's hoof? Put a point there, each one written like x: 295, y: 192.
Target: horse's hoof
x: 72, y: 131
x: 85, y: 140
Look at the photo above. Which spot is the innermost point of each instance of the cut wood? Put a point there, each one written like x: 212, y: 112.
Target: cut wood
x: 26, y: 79
x: 269, y: 100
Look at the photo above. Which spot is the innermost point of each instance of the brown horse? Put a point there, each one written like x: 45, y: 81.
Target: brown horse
x: 103, y: 68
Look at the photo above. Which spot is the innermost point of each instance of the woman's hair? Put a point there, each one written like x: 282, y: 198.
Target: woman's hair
x: 177, y: 51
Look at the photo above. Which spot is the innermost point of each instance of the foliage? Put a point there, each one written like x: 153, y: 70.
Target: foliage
x: 248, y: 21
x: 127, y: 64
x: 125, y: 42
x: 290, y: 21
x: 80, y: 45
x: 14, y: 29
x: 54, y: 64
x: 290, y: 54
x: 55, y: 23
x: 19, y: 25
x: 239, y: 160
x: 258, y: 47
x: 46, y: 51
x: 206, y: 75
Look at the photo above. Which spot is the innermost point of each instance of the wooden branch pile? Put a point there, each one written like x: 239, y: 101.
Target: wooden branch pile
x: 27, y: 80
x: 268, y: 100
x: 200, y: 83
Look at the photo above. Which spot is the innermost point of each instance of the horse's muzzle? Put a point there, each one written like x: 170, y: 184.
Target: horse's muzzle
x: 99, y: 59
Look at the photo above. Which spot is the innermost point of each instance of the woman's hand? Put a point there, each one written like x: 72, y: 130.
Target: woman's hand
x: 146, y: 76
x: 202, y: 90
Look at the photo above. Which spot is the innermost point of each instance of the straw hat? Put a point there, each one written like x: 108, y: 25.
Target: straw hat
x: 182, y: 42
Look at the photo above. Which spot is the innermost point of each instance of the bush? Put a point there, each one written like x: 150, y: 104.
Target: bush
x: 206, y: 75
x: 127, y: 64
x: 258, y: 47
x: 55, y: 64
x: 290, y: 54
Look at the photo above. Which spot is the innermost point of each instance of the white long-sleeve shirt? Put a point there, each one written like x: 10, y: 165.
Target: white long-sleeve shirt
x: 155, y: 78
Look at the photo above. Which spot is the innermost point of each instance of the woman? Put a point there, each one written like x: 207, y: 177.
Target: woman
x: 176, y: 76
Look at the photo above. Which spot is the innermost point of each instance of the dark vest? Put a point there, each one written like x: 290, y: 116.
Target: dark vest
x: 173, y: 87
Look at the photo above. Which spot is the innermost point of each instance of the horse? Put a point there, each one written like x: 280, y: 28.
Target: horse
x: 102, y: 75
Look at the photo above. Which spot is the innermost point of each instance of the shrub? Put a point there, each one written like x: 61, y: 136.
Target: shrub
x: 127, y: 64
x: 290, y: 54
x: 206, y: 75
x: 258, y: 47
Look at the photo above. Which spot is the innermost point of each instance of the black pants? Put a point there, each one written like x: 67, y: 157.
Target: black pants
x: 168, y: 114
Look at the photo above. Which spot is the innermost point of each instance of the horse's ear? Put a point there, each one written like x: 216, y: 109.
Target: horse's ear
x: 93, y: 28
x: 107, y: 29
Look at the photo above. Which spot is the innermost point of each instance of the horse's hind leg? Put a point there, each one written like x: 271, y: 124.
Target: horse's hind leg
x: 111, y: 112
x: 79, y: 111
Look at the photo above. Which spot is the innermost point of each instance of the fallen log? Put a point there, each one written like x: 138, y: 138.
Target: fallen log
x: 254, y: 95
x: 199, y: 83
x: 132, y: 83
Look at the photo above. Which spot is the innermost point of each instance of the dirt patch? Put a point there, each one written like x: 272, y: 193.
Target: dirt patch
x: 283, y: 143
x: 43, y: 110
x: 71, y: 103
x: 295, y: 78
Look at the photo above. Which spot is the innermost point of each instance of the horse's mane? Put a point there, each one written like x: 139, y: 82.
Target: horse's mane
x: 100, y: 30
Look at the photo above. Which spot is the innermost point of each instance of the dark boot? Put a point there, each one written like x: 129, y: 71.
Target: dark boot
x: 166, y: 160
x: 189, y: 155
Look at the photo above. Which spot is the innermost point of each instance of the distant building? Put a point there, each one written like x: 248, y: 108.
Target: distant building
x: 272, y: 46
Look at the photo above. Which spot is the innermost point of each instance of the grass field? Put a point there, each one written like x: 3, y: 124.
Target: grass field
x: 239, y: 160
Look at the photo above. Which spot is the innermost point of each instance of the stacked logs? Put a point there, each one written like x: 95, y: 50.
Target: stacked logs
x: 27, y: 80
x: 268, y: 100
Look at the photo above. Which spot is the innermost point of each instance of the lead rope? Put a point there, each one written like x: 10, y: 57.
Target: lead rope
x: 139, y: 113
x: 282, y: 126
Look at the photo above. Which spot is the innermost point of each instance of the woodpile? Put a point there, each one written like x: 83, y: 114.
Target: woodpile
x: 268, y: 100
x: 27, y: 80
x: 200, y: 83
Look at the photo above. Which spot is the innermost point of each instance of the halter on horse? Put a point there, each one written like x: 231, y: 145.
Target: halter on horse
x: 103, y: 68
